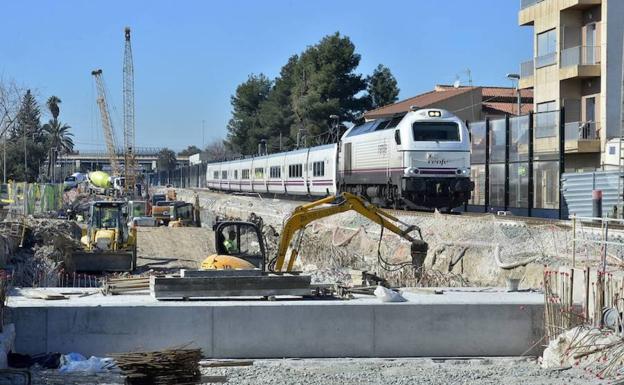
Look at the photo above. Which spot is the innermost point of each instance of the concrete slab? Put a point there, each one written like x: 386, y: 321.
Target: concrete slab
x: 466, y: 322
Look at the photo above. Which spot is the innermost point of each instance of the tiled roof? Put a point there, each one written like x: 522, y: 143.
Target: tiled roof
x: 508, y: 108
x: 493, y: 100
x: 422, y: 100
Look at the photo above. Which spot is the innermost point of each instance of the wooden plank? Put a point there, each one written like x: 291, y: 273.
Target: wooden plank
x: 225, y: 363
x: 204, y: 287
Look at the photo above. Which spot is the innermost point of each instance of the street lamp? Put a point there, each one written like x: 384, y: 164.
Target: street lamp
x: 516, y: 78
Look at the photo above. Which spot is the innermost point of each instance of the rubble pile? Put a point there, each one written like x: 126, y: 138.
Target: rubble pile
x: 599, y: 352
x: 46, y: 244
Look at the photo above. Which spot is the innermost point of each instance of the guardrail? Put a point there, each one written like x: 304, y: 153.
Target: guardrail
x: 527, y: 69
x: 527, y: 3
x: 582, y: 130
x: 580, y: 55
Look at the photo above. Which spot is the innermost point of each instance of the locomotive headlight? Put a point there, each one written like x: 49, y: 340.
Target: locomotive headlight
x: 410, y: 171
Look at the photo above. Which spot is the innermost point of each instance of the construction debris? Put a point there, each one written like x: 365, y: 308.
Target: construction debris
x: 126, y: 285
x: 171, y: 366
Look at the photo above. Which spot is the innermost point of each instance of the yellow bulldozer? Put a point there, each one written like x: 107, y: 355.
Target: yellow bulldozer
x: 240, y: 244
x: 108, y: 245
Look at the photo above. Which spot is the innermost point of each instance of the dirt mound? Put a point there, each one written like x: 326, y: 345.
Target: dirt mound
x: 173, y: 247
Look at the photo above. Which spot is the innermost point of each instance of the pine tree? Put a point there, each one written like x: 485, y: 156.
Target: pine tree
x: 244, y: 128
x: 382, y: 87
x: 28, y: 119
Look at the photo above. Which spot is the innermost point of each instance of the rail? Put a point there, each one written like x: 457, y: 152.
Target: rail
x: 582, y: 131
x: 580, y: 55
x: 528, y: 3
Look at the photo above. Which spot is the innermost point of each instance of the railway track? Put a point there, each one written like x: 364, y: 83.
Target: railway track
x: 530, y: 221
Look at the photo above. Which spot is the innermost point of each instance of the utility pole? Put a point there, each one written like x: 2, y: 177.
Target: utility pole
x: 203, y: 134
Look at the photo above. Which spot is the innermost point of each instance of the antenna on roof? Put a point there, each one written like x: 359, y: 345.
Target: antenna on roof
x: 414, y: 108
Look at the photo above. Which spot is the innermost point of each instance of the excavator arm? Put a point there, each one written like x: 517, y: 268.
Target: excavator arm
x: 331, y: 205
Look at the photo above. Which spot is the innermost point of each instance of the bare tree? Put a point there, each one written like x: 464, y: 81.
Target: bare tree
x: 10, y: 101
x: 216, y: 150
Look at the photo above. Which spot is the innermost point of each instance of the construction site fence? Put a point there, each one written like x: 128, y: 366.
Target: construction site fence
x: 183, y: 177
x: 32, y: 198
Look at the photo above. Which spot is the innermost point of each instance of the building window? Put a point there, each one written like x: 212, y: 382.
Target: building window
x: 259, y: 173
x: 318, y: 168
x: 546, y: 48
x: 295, y: 171
x: 245, y: 174
x: 275, y: 172
x: 546, y: 118
x: 224, y: 174
x: 215, y: 175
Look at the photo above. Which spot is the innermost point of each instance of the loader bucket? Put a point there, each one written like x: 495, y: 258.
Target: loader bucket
x: 101, y: 261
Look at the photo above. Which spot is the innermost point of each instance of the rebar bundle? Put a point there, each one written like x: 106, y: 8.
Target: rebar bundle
x: 171, y: 366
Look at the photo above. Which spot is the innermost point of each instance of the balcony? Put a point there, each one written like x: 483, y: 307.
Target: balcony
x: 527, y: 70
x: 546, y: 60
x: 530, y: 10
x: 580, y: 62
x: 528, y: 3
x: 582, y: 137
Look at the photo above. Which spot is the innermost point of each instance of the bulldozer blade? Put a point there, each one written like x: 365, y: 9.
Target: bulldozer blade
x: 101, y: 261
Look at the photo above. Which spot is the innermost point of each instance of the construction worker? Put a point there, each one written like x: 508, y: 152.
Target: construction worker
x: 230, y: 244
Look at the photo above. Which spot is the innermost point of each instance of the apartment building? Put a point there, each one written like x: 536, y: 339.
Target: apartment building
x: 577, y: 67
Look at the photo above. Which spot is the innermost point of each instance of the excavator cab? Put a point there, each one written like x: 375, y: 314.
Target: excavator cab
x: 239, y: 245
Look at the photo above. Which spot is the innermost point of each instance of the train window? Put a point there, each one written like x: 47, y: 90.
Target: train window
x: 397, y: 136
x: 259, y: 173
x: 215, y: 175
x: 224, y: 174
x: 318, y: 168
x: 295, y: 171
x: 275, y: 172
x: 245, y: 174
x: 435, y: 131
x: 235, y: 174
x: 382, y: 125
x: 394, y: 122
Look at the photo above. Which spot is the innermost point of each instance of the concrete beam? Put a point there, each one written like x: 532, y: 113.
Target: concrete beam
x: 452, y: 324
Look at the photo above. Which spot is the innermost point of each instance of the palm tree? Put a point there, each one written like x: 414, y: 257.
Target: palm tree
x: 59, y: 139
x: 52, y: 103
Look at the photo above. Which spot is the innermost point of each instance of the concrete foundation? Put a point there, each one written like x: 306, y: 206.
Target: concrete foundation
x: 462, y: 322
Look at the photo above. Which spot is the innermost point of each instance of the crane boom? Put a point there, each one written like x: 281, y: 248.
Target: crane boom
x: 107, y: 124
x: 128, y: 100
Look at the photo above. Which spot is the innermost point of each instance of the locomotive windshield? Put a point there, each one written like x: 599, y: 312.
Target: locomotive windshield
x: 436, y: 131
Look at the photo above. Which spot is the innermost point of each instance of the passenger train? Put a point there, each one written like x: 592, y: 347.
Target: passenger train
x: 417, y: 160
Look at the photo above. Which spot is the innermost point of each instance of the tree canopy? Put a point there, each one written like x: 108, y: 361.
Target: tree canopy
x: 166, y: 160
x: 382, y: 87
x: 295, y: 107
x: 190, y: 150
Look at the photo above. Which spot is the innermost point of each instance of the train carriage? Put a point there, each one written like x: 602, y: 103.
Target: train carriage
x: 417, y: 160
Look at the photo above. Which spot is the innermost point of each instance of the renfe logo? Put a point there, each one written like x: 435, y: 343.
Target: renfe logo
x: 433, y: 159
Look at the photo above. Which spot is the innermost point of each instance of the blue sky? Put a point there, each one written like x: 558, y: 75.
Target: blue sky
x: 189, y: 56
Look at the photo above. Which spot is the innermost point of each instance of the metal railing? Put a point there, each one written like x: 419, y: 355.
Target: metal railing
x: 527, y: 3
x: 546, y: 124
x: 527, y: 69
x: 580, y: 55
x: 546, y: 60
x: 582, y: 131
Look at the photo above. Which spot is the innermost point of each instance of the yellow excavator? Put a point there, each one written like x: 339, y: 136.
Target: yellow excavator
x: 240, y: 245
x: 108, y: 244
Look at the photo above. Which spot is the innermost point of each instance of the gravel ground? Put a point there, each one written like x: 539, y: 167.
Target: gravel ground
x: 401, y: 371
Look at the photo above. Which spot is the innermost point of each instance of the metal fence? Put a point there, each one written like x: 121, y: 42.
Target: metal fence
x: 577, y: 190
x: 193, y: 176
x: 516, y: 168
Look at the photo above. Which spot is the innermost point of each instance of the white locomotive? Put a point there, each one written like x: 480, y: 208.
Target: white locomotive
x: 417, y: 160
